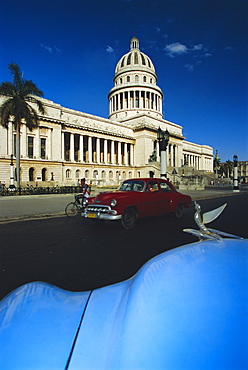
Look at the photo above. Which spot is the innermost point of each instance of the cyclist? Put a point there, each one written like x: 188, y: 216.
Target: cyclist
x: 84, y: 192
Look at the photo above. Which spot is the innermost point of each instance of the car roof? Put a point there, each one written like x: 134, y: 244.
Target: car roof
x: 147, y: 179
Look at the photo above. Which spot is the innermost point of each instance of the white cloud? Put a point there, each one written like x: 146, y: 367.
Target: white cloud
x: 189, y: 67
x: 109, y: 49
x: 175, y: 49
x: 197, y: 47
x: 50, y: 49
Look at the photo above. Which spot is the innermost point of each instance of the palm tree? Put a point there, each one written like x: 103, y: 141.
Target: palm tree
x: 216, y: 163
x: 228, y: 167
x: 19, y: 94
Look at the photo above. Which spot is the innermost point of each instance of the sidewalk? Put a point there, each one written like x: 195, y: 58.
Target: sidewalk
x: 38, y: 206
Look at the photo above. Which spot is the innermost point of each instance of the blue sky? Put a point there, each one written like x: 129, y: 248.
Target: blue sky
x: 70, y: 48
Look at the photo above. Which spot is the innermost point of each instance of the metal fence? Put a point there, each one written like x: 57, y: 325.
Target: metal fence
x: 37, y: 190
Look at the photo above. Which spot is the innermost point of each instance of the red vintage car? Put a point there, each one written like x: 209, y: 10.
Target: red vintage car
x: 137, y: 198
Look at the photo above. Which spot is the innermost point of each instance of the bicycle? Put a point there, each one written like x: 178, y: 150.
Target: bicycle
x: 74, y: 208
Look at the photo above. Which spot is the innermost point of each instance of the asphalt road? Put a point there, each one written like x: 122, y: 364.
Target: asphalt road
x: 76, y: 254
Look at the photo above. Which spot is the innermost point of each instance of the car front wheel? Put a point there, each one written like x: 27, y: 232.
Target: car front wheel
x: 129, y: 218
x: 179, y: 211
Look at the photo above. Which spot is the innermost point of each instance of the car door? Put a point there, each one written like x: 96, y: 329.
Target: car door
x: 151, y: 200
x: 166, y: 194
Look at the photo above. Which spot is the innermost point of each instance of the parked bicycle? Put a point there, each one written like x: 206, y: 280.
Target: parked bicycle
x: 74, y: 208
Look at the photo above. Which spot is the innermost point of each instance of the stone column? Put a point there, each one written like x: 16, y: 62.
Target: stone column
x: 119, y: 153
x: 174, y: 155
x: 125, y: 155
x: 50, y: 144
x: 131, y: 155
x: 23, y: 141
x: 63, y: 146
x: 71, y: 147
x: 110, y: 106
x: 37, y: 152
x: 105, y: 156
x: 90, y: 148
x: 98, y: 150
x: 112, y: 151
x: 81, y: 148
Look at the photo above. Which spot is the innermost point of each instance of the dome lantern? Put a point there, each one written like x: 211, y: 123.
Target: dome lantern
x: 134, y: 44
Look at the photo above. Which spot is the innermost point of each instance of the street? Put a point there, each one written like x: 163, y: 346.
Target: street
x: 76, y: 254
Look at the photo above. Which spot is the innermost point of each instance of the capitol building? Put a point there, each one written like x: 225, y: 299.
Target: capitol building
x: 69, y: 144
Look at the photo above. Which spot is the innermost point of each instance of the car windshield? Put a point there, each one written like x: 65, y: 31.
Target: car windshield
x: 132, y: 185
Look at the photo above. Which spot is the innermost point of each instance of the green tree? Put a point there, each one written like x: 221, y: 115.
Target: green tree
x: 228, y: 168
x: 20, y: 96
x: 216, y: 164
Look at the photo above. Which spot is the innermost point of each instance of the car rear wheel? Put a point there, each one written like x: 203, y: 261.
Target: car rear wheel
x: 179, y: 211
x: 129, y: 218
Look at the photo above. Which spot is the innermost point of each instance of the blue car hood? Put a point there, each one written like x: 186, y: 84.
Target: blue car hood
x: 184, y: 309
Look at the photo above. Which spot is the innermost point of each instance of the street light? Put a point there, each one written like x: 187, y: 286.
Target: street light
x: 235, y: 174
x: 163, y: 139
x: 11, y: 186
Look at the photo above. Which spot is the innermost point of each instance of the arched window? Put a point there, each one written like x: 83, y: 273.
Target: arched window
x: 67, y: 173
x: 77, y: 174
x: 136, y: 78
x: 31, y: 174
x: 103, y: 175
x: 128, y: 78
x: 120, y: 81
x: 44, y: 174
x: 95, y: 174
x: 110, y: 174
x: 144, y: 79
x: 86, y: 174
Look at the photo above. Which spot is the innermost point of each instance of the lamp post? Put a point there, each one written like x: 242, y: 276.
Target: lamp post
x: 235, y: 174
x: 12, y: 178
x: 163, y: 139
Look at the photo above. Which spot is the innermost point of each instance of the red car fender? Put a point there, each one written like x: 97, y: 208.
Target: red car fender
x: 179, y: 199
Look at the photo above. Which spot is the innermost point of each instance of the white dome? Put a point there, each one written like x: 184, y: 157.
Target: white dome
x: 135, y: 88
x: 134, y: 60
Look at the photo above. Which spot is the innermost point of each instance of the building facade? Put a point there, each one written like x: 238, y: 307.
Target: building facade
x: 70, y: 144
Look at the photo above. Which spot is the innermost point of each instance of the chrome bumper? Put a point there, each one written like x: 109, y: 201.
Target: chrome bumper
x: 101, y: 212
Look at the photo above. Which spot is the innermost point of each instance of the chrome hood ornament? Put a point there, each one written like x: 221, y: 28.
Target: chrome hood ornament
x: 201, y: 220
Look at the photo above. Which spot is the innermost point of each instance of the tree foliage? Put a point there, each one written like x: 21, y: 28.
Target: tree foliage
x: 20, y: 94
x: 20, y: 97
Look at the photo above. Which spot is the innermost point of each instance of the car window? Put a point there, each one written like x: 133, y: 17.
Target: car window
x: 152, y: 186
x: 132, y: 185
x: 138, y: 186
x: 125, y: 186
x: 165, y: 187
